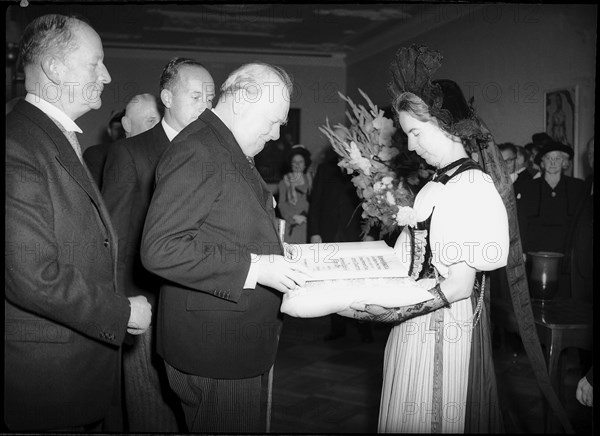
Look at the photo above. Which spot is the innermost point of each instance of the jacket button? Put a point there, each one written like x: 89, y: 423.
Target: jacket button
x: 106, y: 243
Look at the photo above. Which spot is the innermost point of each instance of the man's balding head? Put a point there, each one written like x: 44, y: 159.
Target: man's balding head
x: 63, y: 61
x: 141, y: 114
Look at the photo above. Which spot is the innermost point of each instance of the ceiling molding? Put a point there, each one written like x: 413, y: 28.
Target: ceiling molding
x: 430, y: 18
x: 221, y: 55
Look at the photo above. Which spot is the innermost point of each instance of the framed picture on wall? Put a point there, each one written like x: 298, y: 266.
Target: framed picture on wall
x: 560, y: 116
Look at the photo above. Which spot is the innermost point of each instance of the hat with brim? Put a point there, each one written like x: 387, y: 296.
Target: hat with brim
x: 553, y: 146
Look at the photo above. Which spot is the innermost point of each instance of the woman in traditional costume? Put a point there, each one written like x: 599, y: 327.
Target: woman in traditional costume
x: 438, y: 372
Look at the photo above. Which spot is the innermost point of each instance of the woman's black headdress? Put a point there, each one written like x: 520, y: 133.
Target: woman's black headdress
x: 412, y: 71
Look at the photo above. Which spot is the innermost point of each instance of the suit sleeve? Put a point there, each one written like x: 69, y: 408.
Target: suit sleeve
x: 177, y: 243
x: 118, y: 191
x: 38, y: 278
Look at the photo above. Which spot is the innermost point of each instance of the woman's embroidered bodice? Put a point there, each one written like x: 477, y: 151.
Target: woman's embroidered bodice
x: 421, y: 266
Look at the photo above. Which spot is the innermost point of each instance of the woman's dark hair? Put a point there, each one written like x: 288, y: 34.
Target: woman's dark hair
x: 450, y: 110
x: 298, y: 150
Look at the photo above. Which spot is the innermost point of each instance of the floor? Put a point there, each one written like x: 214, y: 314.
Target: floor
x: 333, y: 386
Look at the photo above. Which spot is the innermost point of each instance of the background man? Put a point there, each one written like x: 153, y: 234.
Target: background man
x: 211, y: 232
x: 335, y: 216
x: 186, y: 89
x: 65, y: 317
x: 509, y: 154
x: 141, y: 114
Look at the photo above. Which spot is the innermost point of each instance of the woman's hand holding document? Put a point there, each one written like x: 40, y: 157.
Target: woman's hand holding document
x: 351, y: 272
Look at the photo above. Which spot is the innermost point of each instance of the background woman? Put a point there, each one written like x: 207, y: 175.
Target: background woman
x: 546, y: 207
x: 438, y: 369
x: 294, y: 190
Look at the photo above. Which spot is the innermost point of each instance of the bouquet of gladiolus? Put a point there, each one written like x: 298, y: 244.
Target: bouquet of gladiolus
x: 368, y: 152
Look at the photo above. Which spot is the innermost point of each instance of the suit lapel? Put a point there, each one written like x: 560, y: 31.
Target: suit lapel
x: 68, y: 160
x: 157, y: 144
x: 239, y: 161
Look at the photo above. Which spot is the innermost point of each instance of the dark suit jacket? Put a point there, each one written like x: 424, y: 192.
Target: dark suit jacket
x: 95, y: 158
x: 524, y: 175
x: 209, y: 211
x: 65, y: 318
x: 546, y: 233
x: 333, y: 212
x: 127, y: 189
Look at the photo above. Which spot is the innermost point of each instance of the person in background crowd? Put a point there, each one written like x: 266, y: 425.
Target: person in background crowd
x: 141, y: 114
x: 582, y: 270
x: 546, y: 206
x: 186, y: 90
x: 509, y: 154
x: 294, y: 190
x: 581, y: 239
x: 533, y: 168
x: 65, y: 316
x: 538, y: 140
x: 522, y: 169
x: 335, y: 216
x: 95, y: 156
x: 212, y: 234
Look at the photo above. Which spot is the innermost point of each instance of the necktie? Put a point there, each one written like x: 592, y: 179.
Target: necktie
x: 72, y: 138
x: 250, y: 161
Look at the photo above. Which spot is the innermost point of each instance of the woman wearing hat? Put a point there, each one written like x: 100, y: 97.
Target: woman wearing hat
x: 546, y: 206
x: 294, y: 189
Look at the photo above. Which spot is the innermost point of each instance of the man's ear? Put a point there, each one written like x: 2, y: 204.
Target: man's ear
x: 52, y: 68
x: 166, y: 97
x: 126, y: 123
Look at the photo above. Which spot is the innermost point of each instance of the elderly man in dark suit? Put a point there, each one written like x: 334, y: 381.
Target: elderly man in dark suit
x: 186, y: 90
x: 211, y: 232
x: 65, y: 317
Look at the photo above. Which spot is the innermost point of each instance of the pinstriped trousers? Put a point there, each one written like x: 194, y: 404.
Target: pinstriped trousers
x: 150, y: 404
x: 221, y: 405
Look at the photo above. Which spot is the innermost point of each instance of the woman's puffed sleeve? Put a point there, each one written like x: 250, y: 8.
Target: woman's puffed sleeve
x: 470, y: 224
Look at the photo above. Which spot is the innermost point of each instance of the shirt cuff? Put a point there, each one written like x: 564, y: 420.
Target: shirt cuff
x: 252, y: 277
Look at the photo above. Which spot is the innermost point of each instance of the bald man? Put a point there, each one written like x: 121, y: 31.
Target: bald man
x: 186, y: 90
x: 141, y: 114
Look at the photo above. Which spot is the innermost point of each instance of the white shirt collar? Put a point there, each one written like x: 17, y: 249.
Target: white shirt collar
x: 54, y: 112
x: 170, y: 131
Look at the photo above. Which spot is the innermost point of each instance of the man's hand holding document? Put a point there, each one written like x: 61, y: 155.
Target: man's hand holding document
x: 344, y: 273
